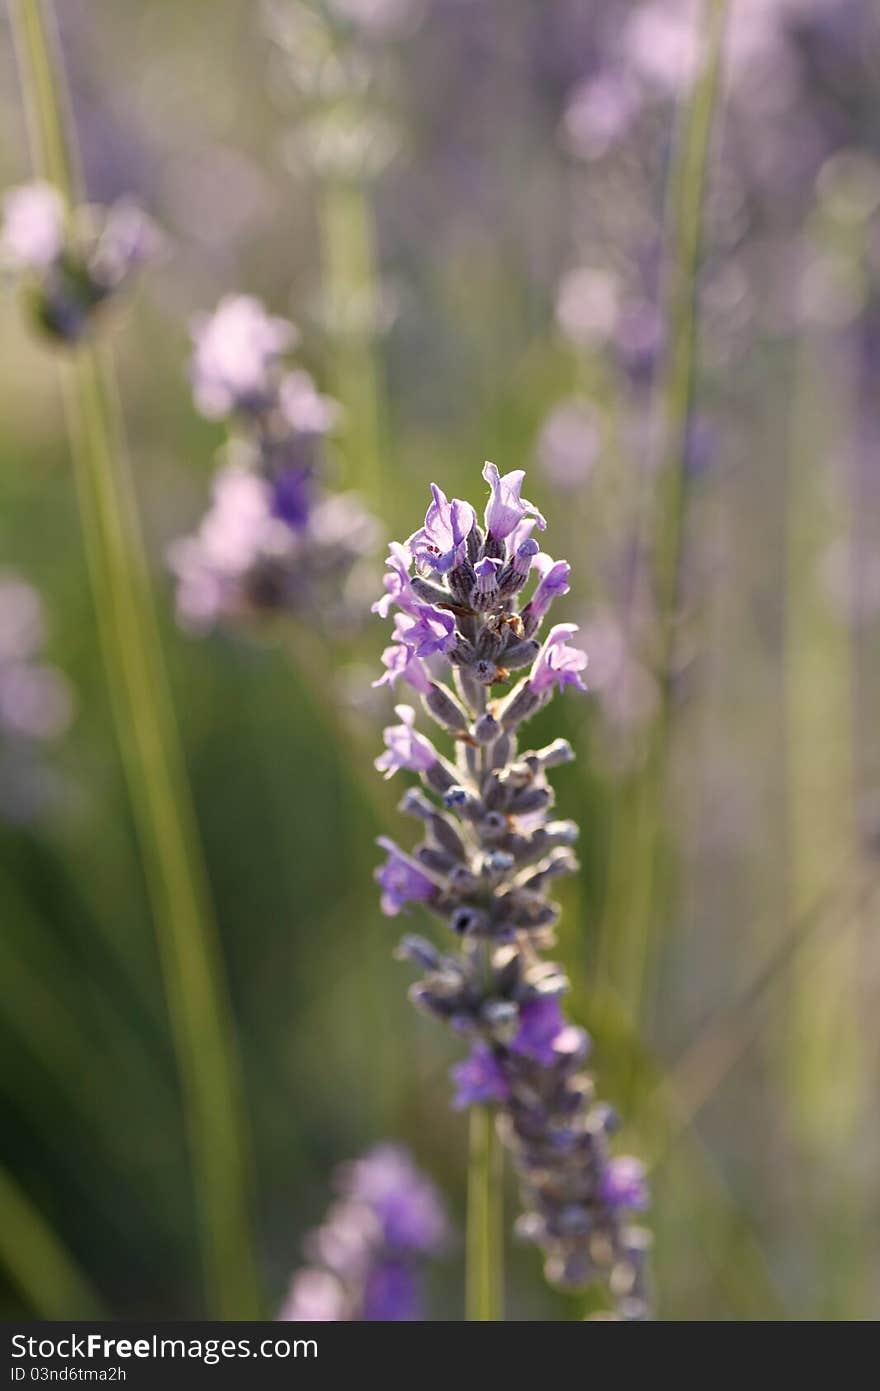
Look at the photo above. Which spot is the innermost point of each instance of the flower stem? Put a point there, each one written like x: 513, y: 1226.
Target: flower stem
x: 636, y: 864
x: 37, y: 1262
x: 484, y: 1291
x: 152, y: 756
x: 351, y: 292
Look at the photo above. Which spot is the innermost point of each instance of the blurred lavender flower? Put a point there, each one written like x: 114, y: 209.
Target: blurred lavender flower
x: 489, y: 854
x: 370, y: 1254
x: 569, y: 444
x: 236, y: 349
x: 36, y: 703
x: 71, y: 266
x: 273, y: 540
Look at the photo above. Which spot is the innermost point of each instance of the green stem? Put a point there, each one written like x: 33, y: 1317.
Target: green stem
x: 38, y: 1263
x: 153, y: 758
x: 634, y: 878
x: 351, y: 291
x: 484, y: 1289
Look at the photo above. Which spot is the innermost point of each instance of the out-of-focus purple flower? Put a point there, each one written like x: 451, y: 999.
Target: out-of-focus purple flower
x: 400, y: 662
x: 292, y: 496
x: 406, y: 1204
x: 36, y: 703
x: 370, y: 1252
x: 426, y: 630
x: 235, y: 348
x: 406, y: 747
x: 663, y: 43
x: 624, y: 1184
x: 569, y: 444
x: 540, y: 1024
x: 557, y: 662
x: 304, y: 408
x: 315, y: 1296
x: 128, y: 240
x: 479, y: 1079
x: 393, y: 1294
x: 32, y: 232
x: 600, y: 112
x: 587, y: 305
x: 441, y: 542
x: 638, y: 339
x: 35, y: 699
x: 73, y: 265
x: 506, y: 507
x: 401, y: 880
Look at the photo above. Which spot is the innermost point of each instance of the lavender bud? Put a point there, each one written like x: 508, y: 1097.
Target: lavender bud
x: 439, y: 778
x: 521, y: 654
x: 419, y: 951
x: 430, y: 593
x: 560, y: 751
x: 485, y: 672
x: 461, y: 582
x: 454, y: 796
x: 521, y: 703
x: 493, y: 825
x: 531, y: 799
x: 487, y: 729
x: 468, y: 922
x: 415, y: 803
x: 461, y: 653
x: 445, y: 710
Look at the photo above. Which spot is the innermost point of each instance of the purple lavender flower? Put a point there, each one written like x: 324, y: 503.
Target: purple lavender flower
x: 552, y: 585
x: 624, y: 1184
x: 401, y: 880
x: 397, y: 582
x: 540, y: 1024
x: 370, y: 1253
x: 32, y: 233
x: 506, y: 508
x: 292, y: 497
x: 557, y: 662
x: 479, y: 1079
x: 36, y: 704
x: 236, y: 348
x: 273, y: 541
x: 440, y: 543
x: 72, y: 265
x: 405, y: 1202
x: 484, y: 867
x: 426, y: 630
x: 406, y: 747
x: 401, y: 664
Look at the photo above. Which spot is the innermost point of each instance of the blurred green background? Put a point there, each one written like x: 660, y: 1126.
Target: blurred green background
x: 721, y: 937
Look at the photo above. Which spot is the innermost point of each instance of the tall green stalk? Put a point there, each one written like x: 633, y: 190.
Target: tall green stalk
x: 484, y: 1292
x: 153, y: 759
x: 351, y: 292
x: 634, y: 876
x: 37, y: 1262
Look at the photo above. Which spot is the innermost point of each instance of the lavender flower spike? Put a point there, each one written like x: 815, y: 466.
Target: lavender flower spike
x: 235, y: 350
x: 72, y: 265
x: 273, y: 543
x: 369, y: 1255
x: 489, y: 853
